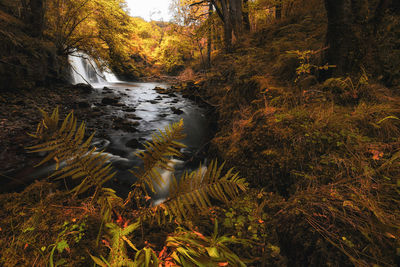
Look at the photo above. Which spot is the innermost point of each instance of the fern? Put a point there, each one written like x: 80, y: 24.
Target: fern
x: 158, y: 155
x: 118, y: 253
x: 191, y: 248
x: 66, y: 144
x: 197, y: 189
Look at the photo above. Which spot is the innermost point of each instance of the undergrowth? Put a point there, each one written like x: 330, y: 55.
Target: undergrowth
x: 327, y: 150
x: 48, y: 225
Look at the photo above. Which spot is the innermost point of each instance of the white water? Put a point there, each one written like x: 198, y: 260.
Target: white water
x: 85, y: 70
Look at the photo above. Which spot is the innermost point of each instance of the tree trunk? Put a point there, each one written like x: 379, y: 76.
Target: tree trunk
x: 36, y: 18
x: 227, y: 26
x: 246, y: 20
x: 209, y: 38
x: 339, y: 36
x: 351, y: 34
x: 237, y: 17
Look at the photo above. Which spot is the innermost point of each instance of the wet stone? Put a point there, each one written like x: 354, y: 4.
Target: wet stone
x: 109, y: 100
x: 84, y: 88
x: 176, y: 111
x: 129, y: 109
x: 134, y: 143
x: 125, y: 125
x: 132, y: 117
x: 83, y: 104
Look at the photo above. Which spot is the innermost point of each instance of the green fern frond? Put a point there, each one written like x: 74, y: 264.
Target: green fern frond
x: 191, y: 248
x: 146, y: 257
x: 66, y: 144
x: 158, y: 154
x: 197, y: 189
x: 118, y: 254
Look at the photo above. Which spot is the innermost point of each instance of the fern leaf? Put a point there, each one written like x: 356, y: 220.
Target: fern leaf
x: 66, y: 143
x: 197, y: 189
x: 158, y: 155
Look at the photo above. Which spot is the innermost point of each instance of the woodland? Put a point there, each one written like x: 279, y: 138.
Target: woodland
x: 303, y: 157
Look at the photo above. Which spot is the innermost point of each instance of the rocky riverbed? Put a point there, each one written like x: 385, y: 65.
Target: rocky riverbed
x: 123, y: 116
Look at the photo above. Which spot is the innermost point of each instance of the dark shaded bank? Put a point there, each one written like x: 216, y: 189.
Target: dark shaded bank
x: 19, y: 115
x: 326, y: 150
x: 27, y: 61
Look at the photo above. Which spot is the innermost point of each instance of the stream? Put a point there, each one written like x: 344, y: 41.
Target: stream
x: 135, y: 112
x: 125, y: 115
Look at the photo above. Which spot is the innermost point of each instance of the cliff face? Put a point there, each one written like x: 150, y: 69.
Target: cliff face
x: 26, y: 61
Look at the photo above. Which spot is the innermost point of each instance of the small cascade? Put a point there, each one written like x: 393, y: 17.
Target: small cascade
x: 85, y: 70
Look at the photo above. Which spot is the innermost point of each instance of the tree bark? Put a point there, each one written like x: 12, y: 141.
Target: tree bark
x: 246, y: 20
x: 340, y: 50
x: 351, y: 34
x: 36, y: 17
x: 237, y: 17
x: 227, y: 26
x: 209, y: 38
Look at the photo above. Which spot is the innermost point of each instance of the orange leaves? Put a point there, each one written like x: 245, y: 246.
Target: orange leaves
x: 376, y: 155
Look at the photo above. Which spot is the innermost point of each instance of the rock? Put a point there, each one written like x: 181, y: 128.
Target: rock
x: 125, y: 125
x: 160, y: 90
x: 105, y: 88
x: 83, y: 104
x: 84, y: 88
x: 134, y: 143
x: 116, y: 151
x: 96, y: 114
x: 132, y: 117
x: 109, y: 100
x: 129, y: 109
x: 118, y: 104
x: 172, y: 95
x: 176, y: 110
x: 153, y: 101
x: 175, y: 101
x: 158, y: 98
x: 163, y: 115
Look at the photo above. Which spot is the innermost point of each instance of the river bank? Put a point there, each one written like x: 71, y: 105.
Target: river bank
x: 123, y: 116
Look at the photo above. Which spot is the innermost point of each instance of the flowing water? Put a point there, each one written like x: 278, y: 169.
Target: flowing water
x: 142, y: 106
x: 137, y: 112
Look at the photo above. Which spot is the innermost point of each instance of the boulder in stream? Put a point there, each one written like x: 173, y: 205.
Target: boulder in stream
x: 132, y: 117
x: 125, y: 125
x: 177, y: 111
x: 161, y: 90
x: 110, y: 100
x: 82, y: 104
x: 134, y: 143
x: 129, y: 109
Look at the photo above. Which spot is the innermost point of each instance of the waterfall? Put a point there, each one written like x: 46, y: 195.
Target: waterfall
x: 85, y: 70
